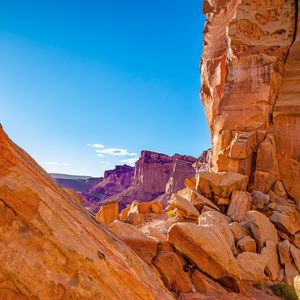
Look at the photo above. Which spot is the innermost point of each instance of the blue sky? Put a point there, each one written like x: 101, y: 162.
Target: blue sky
x: 120, y: 74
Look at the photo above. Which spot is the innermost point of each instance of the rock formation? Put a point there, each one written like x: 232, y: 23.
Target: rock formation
x: 51, y: 248
x: 114, y: 182
x: 80, y: 184
x: 250, y: 90
x: 156, y: 175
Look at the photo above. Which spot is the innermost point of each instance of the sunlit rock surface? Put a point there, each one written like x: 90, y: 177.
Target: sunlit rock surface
x: 50, y: 248
x: 250, y: 90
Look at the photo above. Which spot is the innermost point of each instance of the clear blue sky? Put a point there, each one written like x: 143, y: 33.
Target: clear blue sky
x: 122, y: 74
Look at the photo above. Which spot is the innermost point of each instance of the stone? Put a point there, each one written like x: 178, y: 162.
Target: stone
x: 295, y: 252
x: 51, y: 248
x: 169, y: 266
x: 124, y: 213
x: 271, y: 254
x: 276, y: 199
x: 240, y: 203
x: 261, y: 228
x: 190, y: 182
x: 252, y: 266
x: 219, y: 222
x: 206, y: 248
x: 286, y: 218
x: 238, y: 231
x: 247, y: 244
x: 290, y: 174
x: 74, y: 195
x: 196, y: 199
x: 221, y: 184
x: 290, y: 270
x: 297, y: 285
x: 144, y: 246
x: 296, y: 239
x: 183, y: 205
x: 108, y: 213
x: 260, y: 200
x: 223, y: 201
x: 156, y: 176
x: 279, y: 189
x: 204, y: 284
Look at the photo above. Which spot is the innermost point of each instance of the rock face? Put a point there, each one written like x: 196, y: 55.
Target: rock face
x: 51, y: 248
x: 250, y: 90
x: 156, y: 175
x: 114, y: 182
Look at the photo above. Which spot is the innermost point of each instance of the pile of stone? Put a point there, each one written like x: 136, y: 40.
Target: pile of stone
x: 223, y: 236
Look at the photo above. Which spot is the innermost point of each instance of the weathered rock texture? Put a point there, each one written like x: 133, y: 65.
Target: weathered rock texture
x: 250, y: 90
x: 50, y: 248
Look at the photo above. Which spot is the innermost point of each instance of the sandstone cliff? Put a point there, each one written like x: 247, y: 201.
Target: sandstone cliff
x: 250, y: 90
x: 114, y: 182
x: 50, y: 248
x: 156, y: 174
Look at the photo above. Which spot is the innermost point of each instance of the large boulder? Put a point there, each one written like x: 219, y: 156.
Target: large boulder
x: 286, y: 217
x: 270, y: 252
x: 247, y: 244
x: 261, y: 228
x: 221, y: 184
x: 205, y: 284
x: 196, y: 199
x: 108, y: 213
x: 290, y: 270
x: 206, y: 247
x: 170, y: 268
x: 252, y: 266
x: 295, y: 252
x: 183, y: 205
x: 144, y: 246
x: 238, y: 230
x: 260, y: 200
x: 239, y: 204
x: 219, y: 222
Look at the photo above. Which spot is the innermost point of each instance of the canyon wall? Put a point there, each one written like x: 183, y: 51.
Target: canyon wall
x: 250, y: 90
x: 156, y: 175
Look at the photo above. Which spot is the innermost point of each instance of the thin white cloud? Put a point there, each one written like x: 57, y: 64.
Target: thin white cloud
x: 130, y: 161
x: 55, y: 163
x: 116, y: 152
x: 100, y: 155
x: 96, y: 145
x: 104, y: 162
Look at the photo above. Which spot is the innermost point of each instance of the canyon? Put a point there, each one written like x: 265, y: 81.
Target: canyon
x: 165, y: 230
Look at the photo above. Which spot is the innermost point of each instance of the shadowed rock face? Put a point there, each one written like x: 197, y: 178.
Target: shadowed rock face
x: 114, y: 182
x: 250, y: 90
x: 50, y: 247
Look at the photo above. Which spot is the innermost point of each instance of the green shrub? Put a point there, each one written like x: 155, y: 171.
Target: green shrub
x: 284, y: 291
x: 171, y: 214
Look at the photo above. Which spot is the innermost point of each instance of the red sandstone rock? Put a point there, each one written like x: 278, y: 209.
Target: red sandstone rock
x: 51, y: 248
x: 250, y: 90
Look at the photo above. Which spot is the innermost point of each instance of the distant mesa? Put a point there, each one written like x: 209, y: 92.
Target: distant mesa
x: 155, y: 175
